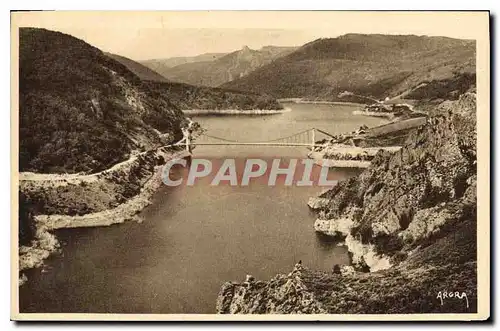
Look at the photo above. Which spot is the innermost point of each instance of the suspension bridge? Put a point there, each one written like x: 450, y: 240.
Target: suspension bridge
x: 306, y: 138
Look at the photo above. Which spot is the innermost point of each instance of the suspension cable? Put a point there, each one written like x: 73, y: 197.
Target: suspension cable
x: 263, y: 141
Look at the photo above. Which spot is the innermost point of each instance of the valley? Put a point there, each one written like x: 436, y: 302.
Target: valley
x: 197, y: 97
x: 97, y: 128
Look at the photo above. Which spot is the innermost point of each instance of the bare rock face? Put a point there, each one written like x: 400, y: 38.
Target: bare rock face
x: 337, y: 227
x: 411, y: 195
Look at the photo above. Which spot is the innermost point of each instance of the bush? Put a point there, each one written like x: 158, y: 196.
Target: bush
x: 27, y: 228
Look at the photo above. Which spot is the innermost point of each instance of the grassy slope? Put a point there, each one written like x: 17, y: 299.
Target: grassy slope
x: 371, y: 65
x: 81, y: 110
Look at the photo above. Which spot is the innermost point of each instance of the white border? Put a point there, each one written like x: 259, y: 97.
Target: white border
x: 184, y: 5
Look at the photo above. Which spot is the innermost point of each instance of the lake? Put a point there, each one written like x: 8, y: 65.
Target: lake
x: 194, y: 238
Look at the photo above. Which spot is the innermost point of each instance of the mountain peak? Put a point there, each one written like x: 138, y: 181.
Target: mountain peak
x: 245, y: 48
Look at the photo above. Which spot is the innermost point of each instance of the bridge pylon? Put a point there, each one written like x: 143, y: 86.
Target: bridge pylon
x: 187, y: 139
x: 313, y: 138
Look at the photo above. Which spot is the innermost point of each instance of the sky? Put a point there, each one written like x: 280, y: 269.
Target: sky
x: 156, y: 34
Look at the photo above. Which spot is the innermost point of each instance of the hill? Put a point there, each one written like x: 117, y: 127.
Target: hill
x: 223, y: 69
x: 377, y: 66
x: 80, y: 110
x: 188, y: 97
x: 141, y: 71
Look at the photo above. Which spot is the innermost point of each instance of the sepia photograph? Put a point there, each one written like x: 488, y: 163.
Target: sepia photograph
x: 250, y: 165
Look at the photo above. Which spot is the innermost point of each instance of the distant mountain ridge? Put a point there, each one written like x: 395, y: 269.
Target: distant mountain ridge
x: 221, y: 69
x: 175, y: 61
x: 375, y: 65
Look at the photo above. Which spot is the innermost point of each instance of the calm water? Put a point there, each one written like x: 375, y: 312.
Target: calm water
x: 195, y: 238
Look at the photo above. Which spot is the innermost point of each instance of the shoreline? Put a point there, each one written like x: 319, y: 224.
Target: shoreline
x: 339, y: 103
x: 322, y: 102
x: 46, y: 243
x: 116, y: 215
x: 236, y: 111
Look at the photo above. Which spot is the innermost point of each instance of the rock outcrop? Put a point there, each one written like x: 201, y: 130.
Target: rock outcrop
x: 410, y: 219
x: 405, y: 198
x: 283, y: 294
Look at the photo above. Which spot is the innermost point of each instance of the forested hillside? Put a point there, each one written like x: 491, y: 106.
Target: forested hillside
x: 81, y: 111
x: 187, y: 97
x: 377, y: 66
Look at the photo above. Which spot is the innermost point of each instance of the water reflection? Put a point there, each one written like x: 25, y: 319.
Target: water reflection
x: 327, y: 242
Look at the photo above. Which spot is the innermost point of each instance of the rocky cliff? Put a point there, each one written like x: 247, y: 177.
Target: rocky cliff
x: 410, y: 219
